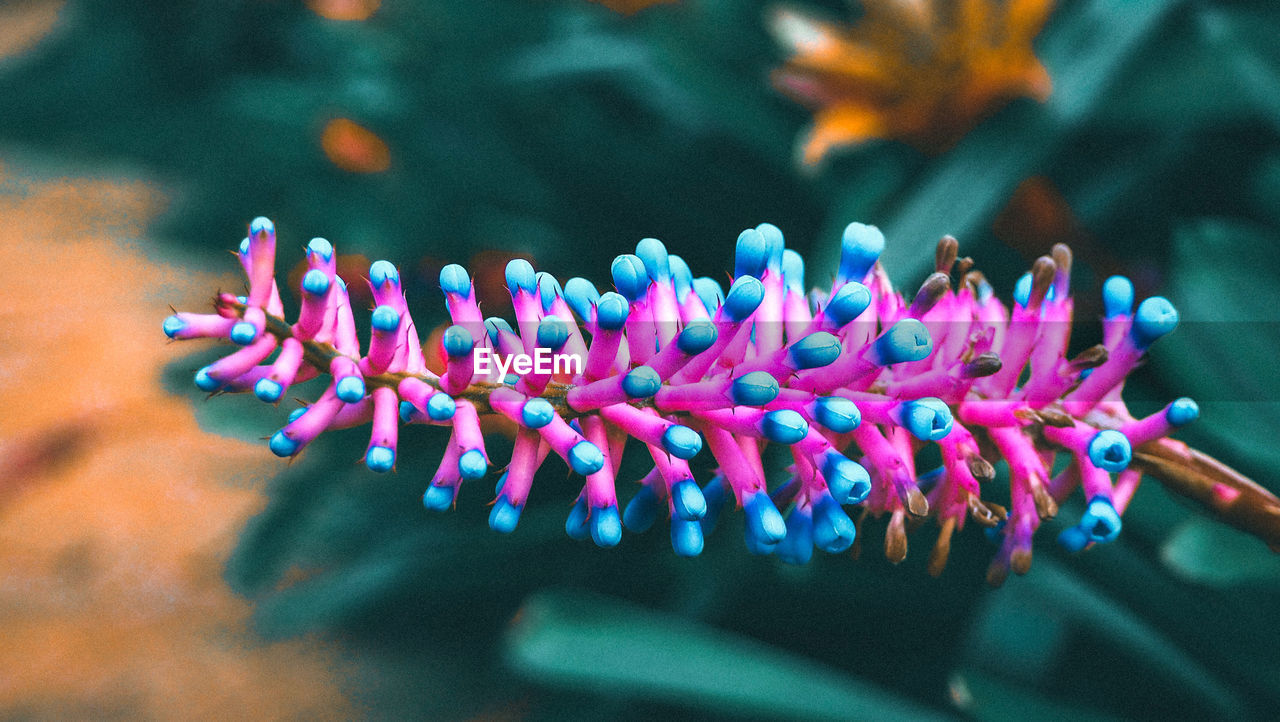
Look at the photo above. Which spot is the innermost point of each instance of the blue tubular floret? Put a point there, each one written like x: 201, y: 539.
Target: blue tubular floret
x: 814, y: 351
x: 784, y: 426
x: 641, y: 511
x: 629, y: 276
x: 907, y: 340
x: 849, y: 481
x: 696, y: 337
x: 745, y: 296
x: 687, y: 501
x: 765, y: 526
x: 797, y: 546
x: 833, y: 530
x: 754, y: 389
x: 1117, y: 296
x: 582, y: 296
x: 455, y: 281
x: 860, y: 248
x: 1182, y: 412
x: 520, y: 276
x: 751, y: 255
x: 681, y: 442
x: 928, y: 419
x: 1110, y: 450
x: 837, y: 414
x: 1155, y: 317
x: 657, y: 263
x: 606, y: 526
x: 847, y: 303
x: 709, y: 292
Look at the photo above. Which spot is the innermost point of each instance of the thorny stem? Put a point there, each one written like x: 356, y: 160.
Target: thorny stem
x: 1219, y: 490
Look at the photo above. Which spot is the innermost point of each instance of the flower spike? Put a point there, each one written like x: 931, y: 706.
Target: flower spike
x: 851, y: 387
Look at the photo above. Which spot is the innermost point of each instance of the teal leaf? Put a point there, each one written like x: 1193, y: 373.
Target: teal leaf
x: 587, y: 642
x: 1217, y: 555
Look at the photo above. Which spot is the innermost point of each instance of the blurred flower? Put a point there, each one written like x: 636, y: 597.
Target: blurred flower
x: 354, y: 148
x: 852, y: 383
x: 921, y: 72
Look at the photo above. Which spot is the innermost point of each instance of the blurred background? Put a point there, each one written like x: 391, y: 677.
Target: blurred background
x: 157, y: 561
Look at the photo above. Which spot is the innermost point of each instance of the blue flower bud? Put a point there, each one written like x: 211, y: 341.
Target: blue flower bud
x: 548, y: 289
x: 520, y: 276
x: 612, y: 311
x: 552, y: 333
x: 745, y: 296
x: 504, y: 516
x: 907, y: 340
x: 848, y: 303
x: 751, y: 255
x: 440, y: 406
x: 455, y: 280
x: 576, y: 525
x: 537, y: 413
x: 1100, y: 520
x: 709, y: 292
x: 860, y: 248
x: 380, y: 459
x: 471, y: 465
x: 657, y: 263
x: 387, y: 319
x: 793, y: 271
x: 849, y: 481
x: 315, y: 282
x: 585, y: 458
x: 382, y: 273
x: 696, y: 337
x: 687, y: 500
x: 205, y: 382
x: 1155, y: 318
x: 837, y: 414
x: 457, y: 341
x: 775, y: 245
x: 261, y: 226
x: 1110, y: 450
x: 681, y: 442
x: 681, y: 276
x: 493, y: 326
x: 833, y: 530
x: 754, y: 389
x: 629, y: 276
x: 606, y: 527
x: 407, y: 412
x: 641, y: 382
x: 438, y: 498
x: 243, y: 333
x: 1117, y: 296
x: 582, y: 296
x: 765, y: 526
x: 1073, y: 538
x: 268, y: 390
x: 296, y: 414
x: 686, y: 537
x: 784, y: 426
x: 814, y: 351
x: 1182, y: 412
x: 350, y: 389
x: 320, y: 247
x: 244, y: 246
x: 1022, y: 289
x: 282, y: 445
x: 928, y: 419
x: 173, y: 326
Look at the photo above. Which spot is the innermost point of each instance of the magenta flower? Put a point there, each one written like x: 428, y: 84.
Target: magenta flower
x: 853, y: 382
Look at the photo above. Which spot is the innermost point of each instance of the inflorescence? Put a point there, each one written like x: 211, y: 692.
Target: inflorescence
x: 854, y: 382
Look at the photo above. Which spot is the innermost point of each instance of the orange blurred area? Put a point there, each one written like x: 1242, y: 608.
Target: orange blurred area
x: 23, y: 23
x: 344, y: 9
x: 354, y: 148
x: 629, y: 7
x: 117, y: 512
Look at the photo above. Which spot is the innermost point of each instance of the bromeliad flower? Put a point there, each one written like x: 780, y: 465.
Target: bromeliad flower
x: 920, y: 72
x: 852, y: 383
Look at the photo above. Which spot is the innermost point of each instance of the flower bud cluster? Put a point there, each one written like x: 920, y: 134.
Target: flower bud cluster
x: 852, y: 382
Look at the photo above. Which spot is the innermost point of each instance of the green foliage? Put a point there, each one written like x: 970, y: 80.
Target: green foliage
x: 560, y: 128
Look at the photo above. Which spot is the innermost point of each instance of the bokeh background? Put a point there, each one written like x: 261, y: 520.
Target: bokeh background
x: 157, y: 561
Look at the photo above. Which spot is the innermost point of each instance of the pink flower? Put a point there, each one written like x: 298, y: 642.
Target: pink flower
x: 853, y: 381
